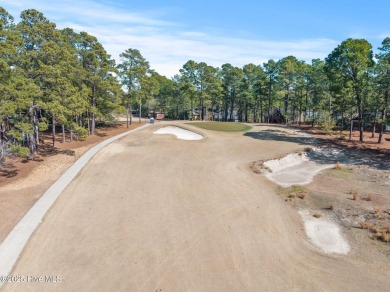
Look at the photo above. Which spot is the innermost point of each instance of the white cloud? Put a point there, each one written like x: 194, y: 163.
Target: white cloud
x: 166, y: 45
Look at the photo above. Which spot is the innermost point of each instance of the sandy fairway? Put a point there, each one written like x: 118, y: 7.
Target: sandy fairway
x: 155, y: 213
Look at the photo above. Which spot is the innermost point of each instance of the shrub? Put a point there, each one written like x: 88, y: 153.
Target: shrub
x: 365, y: 225
x: 375, y: 229
x: 327, y: 123
x: 20, y: 151
x: 337, y: 166
x: 385, y: 237
x: 81, y: 133
x: 355, y: 196
x: 368, y: 198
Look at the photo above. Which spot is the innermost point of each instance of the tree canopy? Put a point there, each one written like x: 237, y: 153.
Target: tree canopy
x: 52, y: 78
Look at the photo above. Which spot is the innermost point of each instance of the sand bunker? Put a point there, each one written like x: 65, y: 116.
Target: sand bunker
x: 179, y: 133
x: 295, y: 169
x: 325, y: 234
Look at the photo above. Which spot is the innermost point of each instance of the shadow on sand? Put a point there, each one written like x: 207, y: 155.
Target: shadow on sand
x: 282, y: 136
x: 327, y: 152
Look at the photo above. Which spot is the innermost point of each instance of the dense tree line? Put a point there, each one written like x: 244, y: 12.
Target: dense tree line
x: 54, y: 79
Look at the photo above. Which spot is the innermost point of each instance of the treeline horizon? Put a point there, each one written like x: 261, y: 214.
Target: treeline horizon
x: 57, y: 78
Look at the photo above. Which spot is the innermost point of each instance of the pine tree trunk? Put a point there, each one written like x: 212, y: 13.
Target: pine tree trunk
x: 140, y: 111
x: 53, y: 131
x: 383, y: 115
x: 226, y: 110
x: 88, y: 121
x: 131, y: 114
x: 192, y: 109
x: 360, y: 125
x: 300, y: 106
x: 63, y: 134
x: 350, y: 130
x: 306, y: 105
x: 33, y: 135
x: 269, y: 100
x: 93, y: 124
x: 93, y: 111
x: 127, y: 116
x: 177, y: 108
x: 286, y: 103
x: 231, y: 108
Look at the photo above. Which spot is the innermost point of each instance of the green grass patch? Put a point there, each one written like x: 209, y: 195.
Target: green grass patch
x: 342, y: 173
x: 297, y: 189
x: 221, y: 126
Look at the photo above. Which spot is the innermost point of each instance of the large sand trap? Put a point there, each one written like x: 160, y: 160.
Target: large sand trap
x: 294, y: 169
x: 325, y: 234
x: 179, y: 133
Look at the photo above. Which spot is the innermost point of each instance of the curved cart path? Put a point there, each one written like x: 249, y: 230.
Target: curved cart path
x: 154, y: 213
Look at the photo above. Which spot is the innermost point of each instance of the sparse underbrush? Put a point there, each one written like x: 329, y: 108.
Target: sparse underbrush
x: 377, y: 231
x: 341, y: 171
x: 355, y: 195
x: 378, y: 224
x: 368, y: 198
x: 259, y: 167
x: 330, y: 207
x: 296, y: 191
x: 338, y: 166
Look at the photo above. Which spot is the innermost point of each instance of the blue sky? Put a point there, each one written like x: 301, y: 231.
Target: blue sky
x: 171, y: 32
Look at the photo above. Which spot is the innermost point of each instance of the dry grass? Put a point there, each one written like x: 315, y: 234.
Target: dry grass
x: 342, y: 137
x: 368, y: 198
x: 375, y: 229
x: 376, y: 210
x: 378, y: 232
x: 259, y: 167
x: 382, y: 235
x: 295, y: 191
x: 385, y: 234
x: 365, y: 225
x: 256, y: 167
x: 355, y: 195
x: 385, y: 237
x: 330, y: 207
x: 337, y: 166
x: 302, y: 195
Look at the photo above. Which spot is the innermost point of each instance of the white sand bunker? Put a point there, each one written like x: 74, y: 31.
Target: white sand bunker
x: 294, y: 169
x: 325, y: 234
x: 179, y: 133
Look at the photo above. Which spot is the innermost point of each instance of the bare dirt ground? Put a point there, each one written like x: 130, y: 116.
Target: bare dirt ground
x: 154, y: 213
x: 22, y: 182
